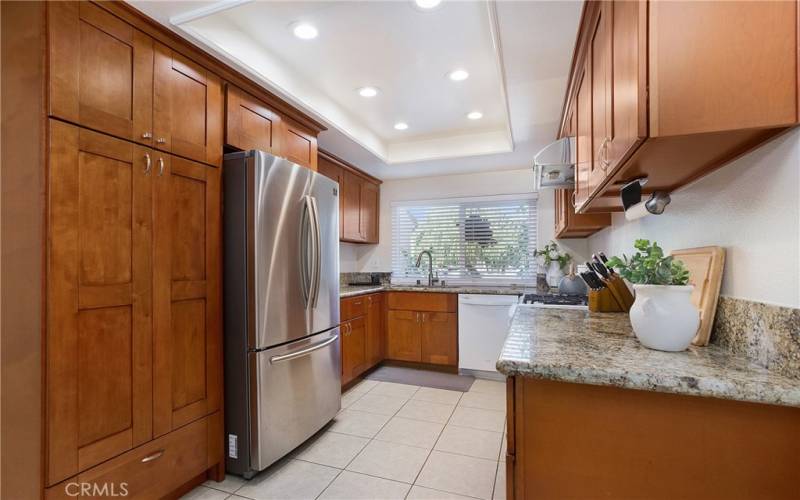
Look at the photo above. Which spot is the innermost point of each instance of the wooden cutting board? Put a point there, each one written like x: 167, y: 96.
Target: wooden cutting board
x: 705, y: 273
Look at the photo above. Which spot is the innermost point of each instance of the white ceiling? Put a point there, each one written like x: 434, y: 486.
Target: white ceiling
x: 517, y: 53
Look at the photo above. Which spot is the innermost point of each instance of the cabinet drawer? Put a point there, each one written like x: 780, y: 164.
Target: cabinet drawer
x: 421, y: 301
x: 149, y: 471
x: 353, y: 307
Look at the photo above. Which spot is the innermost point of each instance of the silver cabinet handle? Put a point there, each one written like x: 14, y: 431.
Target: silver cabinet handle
x: 303, y: 352
x: 160, y: 166
x: 574, y: 205
x: 153, y: 456
x: 161, y: 140
x: 147, y: 135
x: 148, y: 166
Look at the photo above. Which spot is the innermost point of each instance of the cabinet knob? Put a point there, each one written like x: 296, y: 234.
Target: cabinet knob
x: 147, y: 135
x: 161, y: 140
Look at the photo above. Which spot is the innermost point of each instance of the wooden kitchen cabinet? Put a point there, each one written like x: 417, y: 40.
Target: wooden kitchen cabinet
x: 250, y: 123
x: 570, y: 440
x: 354, y: 348
x: 664, y: 91
x: 359, y: 200
x: 187, y: 108
x: 375, y: 319
x: 403, y: 336
x: 439, y: 337
x: 100, y: 300
x: 362, y: 334
x: 100, y: 71
x: 298, y: 144
x: 422, y: 328
x: 186, y: 287
x: 569, y: 224
x: 108, y: 76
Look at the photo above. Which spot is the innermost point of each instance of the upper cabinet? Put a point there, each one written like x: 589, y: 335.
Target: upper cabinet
x: 250, y: 124
x: 110, y: 77
x: 187, y: 108
x: 101, y: 71
x: 359, y: 200
x: 666, y: 91
x: 298, y: 144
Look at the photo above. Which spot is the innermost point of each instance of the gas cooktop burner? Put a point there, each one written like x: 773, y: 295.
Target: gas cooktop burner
x: 555, y: 299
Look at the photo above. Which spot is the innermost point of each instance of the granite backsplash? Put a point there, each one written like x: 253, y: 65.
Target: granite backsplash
x: 765, y: 334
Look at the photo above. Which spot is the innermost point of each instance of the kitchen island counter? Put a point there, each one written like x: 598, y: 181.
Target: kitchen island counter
x: 600, y: 349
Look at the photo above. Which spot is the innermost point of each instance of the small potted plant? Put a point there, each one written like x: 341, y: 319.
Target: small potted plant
x: 663, y: 316
x: 553, y: 261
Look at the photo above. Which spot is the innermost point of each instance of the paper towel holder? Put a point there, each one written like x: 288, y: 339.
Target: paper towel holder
x: 631, y: 195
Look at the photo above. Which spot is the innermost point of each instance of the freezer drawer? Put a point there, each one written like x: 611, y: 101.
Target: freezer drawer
x: 297, y: 391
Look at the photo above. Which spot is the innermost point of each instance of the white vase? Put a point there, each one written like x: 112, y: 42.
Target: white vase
x: 554, y: 274
x: 663, y: 316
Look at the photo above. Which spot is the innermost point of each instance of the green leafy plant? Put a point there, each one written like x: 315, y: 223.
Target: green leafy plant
x: 551, y: 253
x: 649, y: 266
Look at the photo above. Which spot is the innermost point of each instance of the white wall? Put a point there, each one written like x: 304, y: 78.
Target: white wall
x: 369, y: 258
x: 750, y: 207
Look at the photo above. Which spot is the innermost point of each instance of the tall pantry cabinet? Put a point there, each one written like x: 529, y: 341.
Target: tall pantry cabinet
x: 133, y: 374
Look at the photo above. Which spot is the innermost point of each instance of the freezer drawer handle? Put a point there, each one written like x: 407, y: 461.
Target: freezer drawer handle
x: 302, y: 352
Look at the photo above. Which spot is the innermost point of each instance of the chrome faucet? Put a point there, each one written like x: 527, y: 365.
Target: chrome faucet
x: 431, y: 279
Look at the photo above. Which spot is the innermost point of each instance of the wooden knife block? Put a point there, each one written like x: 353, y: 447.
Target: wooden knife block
x: 603, y: 301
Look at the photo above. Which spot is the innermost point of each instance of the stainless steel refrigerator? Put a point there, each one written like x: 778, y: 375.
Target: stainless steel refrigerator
x: 281, y: 307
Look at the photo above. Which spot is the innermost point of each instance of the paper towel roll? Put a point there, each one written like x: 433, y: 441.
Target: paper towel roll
x: 636, y: 211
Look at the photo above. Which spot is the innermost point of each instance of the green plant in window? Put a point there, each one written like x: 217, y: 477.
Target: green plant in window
x: 550, y: 253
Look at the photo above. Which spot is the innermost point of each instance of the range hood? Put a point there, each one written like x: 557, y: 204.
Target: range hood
x: 554, y: 165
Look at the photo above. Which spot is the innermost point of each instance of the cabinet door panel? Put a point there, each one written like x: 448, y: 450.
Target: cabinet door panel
x: 187, y: 108
x: 250, y: 124
x: 99, y: 335
x: 440, y: 338
x: 187, y: 342
x: 403, y: 336
x: 370, y: 206
x: 602, y: 110
x: 100, y: 70
x: 298, y: 145
x: 375, y: 329
x: 583, y: 138
x: 351, y: 199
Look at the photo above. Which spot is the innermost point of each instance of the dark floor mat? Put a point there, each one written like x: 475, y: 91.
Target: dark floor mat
x: 425, y: 378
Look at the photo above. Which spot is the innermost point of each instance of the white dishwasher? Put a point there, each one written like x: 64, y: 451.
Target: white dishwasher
x: 482, y: 328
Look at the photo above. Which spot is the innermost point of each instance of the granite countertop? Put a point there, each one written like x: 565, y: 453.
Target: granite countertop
x: 600, y: 349
x: 353, y: 290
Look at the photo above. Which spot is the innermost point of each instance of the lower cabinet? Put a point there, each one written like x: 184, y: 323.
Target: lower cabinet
x: 422, y: 328
x: 133, y: 335
x: 362, y: 334
x: 354, y: 348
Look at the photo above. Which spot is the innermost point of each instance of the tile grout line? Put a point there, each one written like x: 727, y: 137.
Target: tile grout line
x: 367, y: 444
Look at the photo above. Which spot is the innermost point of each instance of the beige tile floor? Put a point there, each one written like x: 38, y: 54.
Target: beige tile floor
x: 392, y: 441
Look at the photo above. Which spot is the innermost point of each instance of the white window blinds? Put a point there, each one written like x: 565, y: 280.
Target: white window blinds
x: 473, y: 240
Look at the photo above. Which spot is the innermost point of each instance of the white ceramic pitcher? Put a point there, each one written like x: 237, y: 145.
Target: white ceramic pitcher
x: 663, y: 316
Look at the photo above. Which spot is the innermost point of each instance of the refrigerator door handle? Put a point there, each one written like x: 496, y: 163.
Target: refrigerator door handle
x: 304, y: 351
x: 306, y: 264
x: 317, y: 252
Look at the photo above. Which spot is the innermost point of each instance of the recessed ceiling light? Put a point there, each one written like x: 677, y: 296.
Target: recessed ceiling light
x: 400, y: 126
x: 475, y: 115
x: 458, y: 75
x: 367, y: 91
x: 304, y: 31
x: 427, y: 4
